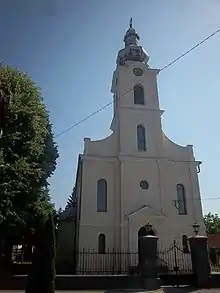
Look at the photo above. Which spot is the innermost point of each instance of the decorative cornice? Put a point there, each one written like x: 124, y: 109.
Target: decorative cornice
x: 142, y: 108
x: 100, y: 158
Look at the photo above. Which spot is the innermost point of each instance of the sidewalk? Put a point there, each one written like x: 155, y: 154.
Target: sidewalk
x: 166, y: 290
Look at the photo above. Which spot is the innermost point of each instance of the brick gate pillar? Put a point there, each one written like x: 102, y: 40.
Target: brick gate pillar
x: 148, y: 262
x: 200, y: 259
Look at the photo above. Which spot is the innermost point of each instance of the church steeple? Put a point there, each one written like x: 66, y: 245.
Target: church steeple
x: 132, y: 50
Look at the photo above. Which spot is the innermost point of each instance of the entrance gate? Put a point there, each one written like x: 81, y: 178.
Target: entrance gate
x: 174, y: 260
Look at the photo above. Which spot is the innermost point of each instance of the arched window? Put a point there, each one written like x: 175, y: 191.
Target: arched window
x: 141, y: 139
x: 102, y: 195
x: 138, y: 95
x: 185, y: 244
x: 101, y: 245
x: 181, y: 199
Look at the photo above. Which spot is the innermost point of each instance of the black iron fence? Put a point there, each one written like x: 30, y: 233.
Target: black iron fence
x: 174, y: 260
x: 170, y: 260
x: 90, y: 262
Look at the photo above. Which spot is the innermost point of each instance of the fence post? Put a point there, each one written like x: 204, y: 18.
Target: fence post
x: 148, y: 262
x: 200, y: 259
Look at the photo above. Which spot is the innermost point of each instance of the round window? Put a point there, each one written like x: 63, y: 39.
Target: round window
x: 144, y: 185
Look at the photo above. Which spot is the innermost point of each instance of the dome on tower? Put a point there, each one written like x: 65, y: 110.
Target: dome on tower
x: 132, y: 51
x: 131, y: 37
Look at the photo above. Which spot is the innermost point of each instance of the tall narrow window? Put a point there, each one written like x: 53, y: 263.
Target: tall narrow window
x: 185, y: 244
x: 102, y: 195
x: 141, y: 139
x: 138, y: 95
x: 181, y: 199
x: 101, y: 245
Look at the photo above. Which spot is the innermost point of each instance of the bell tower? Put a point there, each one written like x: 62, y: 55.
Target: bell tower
x: 137, y: 115
x: 136, y: 174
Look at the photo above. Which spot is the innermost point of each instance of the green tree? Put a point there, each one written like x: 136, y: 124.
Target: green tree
x: 57, y: 215
x: 212, y: 223
x: 71, y: 202
x: 42, y: 275
x: 27, y: 153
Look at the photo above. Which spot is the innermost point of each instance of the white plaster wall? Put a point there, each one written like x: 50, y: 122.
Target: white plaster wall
x: 89, y: 234
x: 92, y: 223
x: 116, y: 159
x: 173, y: 150
x: 162, y: 175
x: 103, y: 147
x: 134, y: 171
x: 129, y: 119
x: 127, y: 80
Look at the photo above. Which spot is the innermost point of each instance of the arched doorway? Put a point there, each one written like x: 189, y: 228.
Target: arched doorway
x: 142, y: 232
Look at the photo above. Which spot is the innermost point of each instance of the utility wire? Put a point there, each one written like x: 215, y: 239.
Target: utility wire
x: 89, y: 116
x: 190, y: 50
x: 202, y: 198
x: 83, y: 120
x: 177, y: 203
x: 210, y: 198
x: 163, y: 68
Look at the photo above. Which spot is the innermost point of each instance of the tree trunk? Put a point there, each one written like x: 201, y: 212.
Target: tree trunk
x: 5, y: 255
x: 8, y: 254
x: 42, y: 275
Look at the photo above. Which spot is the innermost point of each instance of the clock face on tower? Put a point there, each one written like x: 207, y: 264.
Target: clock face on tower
x: 138, y: 71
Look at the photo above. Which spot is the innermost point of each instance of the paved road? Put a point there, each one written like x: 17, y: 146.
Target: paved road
x: 166, y: 290
x: 189, y: 290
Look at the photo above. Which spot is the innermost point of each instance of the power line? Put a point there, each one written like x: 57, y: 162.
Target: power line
x: 177, y: 203
x: 89, y: 116
x: 201, y: 198
x: 190, y: 50
x: 83, y: 120
x: 210, y: 198
x: 163, y: 68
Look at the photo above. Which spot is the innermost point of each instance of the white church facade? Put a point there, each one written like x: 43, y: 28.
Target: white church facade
x: 137, y: 175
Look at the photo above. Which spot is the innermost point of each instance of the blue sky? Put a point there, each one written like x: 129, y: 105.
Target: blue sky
x: 69, y: 48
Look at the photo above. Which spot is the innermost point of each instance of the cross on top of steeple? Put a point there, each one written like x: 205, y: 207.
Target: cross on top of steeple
x: 130, y: 24
x: 131, y: 37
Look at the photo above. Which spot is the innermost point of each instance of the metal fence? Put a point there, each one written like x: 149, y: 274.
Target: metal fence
x: 90, y: 262
x: 109, y: 263
x: 170, y: 260
x: 174, y: 260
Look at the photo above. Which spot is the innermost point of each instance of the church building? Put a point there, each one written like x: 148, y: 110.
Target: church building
x: 136, y: 180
